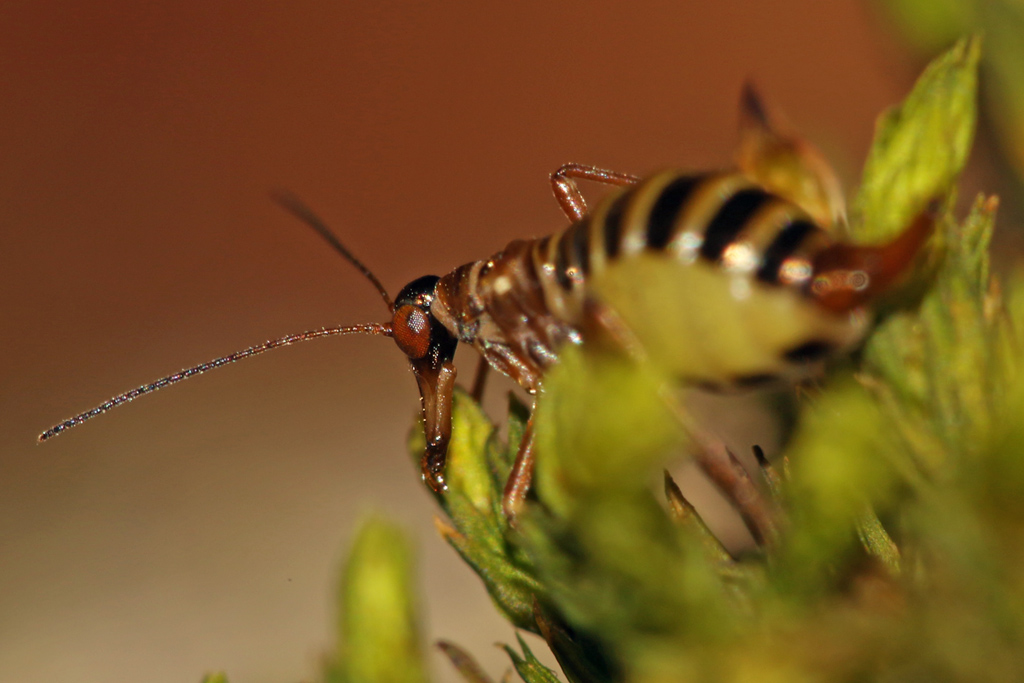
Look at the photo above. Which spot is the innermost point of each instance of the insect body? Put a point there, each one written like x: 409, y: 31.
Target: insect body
x: 766, y: 290
x: 521, y: 305
x: 760, y: 287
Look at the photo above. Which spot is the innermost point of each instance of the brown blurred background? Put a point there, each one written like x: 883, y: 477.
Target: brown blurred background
x: 202, y: 528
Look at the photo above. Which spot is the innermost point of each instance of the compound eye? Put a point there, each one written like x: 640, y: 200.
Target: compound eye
x: 411, y: 329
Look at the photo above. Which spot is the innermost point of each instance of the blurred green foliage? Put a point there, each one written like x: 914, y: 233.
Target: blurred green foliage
x: 920, y: 146
x: 379, y: 638
x: 932, y: 25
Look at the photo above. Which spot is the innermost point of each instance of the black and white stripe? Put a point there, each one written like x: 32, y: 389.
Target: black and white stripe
x: 716, y: 210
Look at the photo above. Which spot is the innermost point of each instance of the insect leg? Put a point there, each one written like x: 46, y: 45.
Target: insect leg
x: 603, y: 326
x: 726, y: 472
x: 715, y: 459
x: 518, y: 484
x: 563, y: 182
x: 480, y: 379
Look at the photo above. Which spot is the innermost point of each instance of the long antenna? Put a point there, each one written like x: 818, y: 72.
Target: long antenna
x: 294, y: 205
x: 365, y: 328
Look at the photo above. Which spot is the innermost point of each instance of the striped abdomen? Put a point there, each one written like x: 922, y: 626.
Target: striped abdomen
x: 723, y: 220
x: 710, y: 273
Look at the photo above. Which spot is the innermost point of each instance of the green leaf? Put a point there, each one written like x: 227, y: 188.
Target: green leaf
x: 468, y: 470
x: 943, y: 370
x: 920, y: 146
x: 378, y: 625
x: 932, y: 25
x: 841, y: 464
x: 603, y: 426
x: 529, y: 668
x: 612, y: 563
x: 511, y: 587
x: 878, y: 543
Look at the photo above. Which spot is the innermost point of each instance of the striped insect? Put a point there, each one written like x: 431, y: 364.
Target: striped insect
x: 767, y: 289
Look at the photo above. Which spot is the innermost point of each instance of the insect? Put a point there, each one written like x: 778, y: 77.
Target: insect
x: 769, y: 289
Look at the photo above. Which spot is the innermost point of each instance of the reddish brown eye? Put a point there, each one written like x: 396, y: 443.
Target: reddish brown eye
x: 411, y: 328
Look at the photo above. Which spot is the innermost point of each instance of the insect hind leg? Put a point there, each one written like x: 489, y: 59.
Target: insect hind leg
x: 567, y: 192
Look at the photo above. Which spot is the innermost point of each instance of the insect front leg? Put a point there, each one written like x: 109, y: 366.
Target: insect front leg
x: 567, y: 192
x: 516, y: 365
